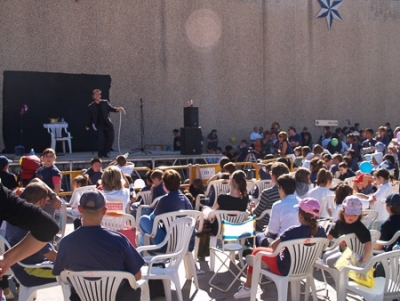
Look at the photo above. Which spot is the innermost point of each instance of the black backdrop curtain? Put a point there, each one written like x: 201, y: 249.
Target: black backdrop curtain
x: 46, y: 94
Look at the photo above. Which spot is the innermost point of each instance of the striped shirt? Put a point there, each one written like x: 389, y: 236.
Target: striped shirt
x: 268, y: 197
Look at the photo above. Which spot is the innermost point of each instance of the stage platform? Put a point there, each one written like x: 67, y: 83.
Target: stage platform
x: 152, y: 159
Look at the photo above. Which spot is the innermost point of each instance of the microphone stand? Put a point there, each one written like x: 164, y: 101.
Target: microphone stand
x: 142, y: 149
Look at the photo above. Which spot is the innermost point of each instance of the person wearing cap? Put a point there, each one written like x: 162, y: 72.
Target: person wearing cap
x: 146, y: 187
x: 392, y: 224
x: 100, y: 249
x: 363, y: 184
x: 341, y: 192
x: 307, y: 211
x: 8, y: 179
x: 376, y: 159
x: 349, y: 222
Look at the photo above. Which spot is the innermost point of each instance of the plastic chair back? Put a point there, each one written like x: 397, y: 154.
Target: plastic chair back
x: 369, y: 217
x: 264, y: 184
x: 98, y: 285
x: 145, y: 195
x: 385, y: 288
x: 303, y: 254
x: 118, y: 221
x: 236, y: 231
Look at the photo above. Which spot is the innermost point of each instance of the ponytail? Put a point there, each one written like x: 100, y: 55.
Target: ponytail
x: 311, y: 220
x: 239, y: 177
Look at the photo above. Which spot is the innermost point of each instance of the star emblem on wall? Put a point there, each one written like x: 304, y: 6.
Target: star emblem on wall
x: 329, y: 10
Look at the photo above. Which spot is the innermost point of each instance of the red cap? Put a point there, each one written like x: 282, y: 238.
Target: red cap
x: 360, y: 178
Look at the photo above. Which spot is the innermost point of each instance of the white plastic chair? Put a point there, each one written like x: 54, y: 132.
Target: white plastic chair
x: 326, y: 223
x: 102, y: 285
x: 145, y: 196
x: 75, y: 198
x: 349, y: 181
x: 303, y: 254
x: 57, y: 136
x: 335, y: 182
x: 234, y: 237
x: 141, y: 209
x: 117, y: 222
x: 26, y: 293
x: 181, y: 229
x: 354, y: 244
x: 229, y: 216
x: 220, y: 187
x: 395, y: 186
x: 62, y: 222
x: 392, y: 241
x: 369, y: 217
x: 263, y: 214
x: 385, y: 288
x: 262, y: 185
x: 190, y: 259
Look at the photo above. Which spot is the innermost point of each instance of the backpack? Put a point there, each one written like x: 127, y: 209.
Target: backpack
x: 29, y: 165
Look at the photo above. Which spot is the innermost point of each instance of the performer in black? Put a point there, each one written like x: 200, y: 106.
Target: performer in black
x: 99, y: 120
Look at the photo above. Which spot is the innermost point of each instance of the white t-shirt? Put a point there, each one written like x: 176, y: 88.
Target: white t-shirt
x: 380, y: 205
x: 126, y: 169
x: 284, y: 215
x: 319, y: 193
x: 119, y: 195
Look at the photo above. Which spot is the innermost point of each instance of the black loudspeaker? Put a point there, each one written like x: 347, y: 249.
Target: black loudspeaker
x: 191, y: 141
x: 190, y: 117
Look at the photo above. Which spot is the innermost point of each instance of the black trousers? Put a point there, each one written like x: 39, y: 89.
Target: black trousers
x: 105, y: 139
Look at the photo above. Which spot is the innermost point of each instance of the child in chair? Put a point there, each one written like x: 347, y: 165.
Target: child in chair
x: 309, y: 210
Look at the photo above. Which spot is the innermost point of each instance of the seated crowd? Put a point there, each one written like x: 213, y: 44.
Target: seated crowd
x: 347, y: 172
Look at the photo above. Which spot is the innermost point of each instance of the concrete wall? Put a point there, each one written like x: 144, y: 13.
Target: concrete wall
x: 243, y: 63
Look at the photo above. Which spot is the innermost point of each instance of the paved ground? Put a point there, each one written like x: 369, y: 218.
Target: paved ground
x: 265, y: 292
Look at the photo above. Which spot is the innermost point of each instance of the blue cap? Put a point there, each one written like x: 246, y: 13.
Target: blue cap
x: 393, y: 200
x: 4, y: 161
x: 93, y: 200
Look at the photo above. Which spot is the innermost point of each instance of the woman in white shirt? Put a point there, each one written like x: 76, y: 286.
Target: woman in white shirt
x: 116, y: 188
